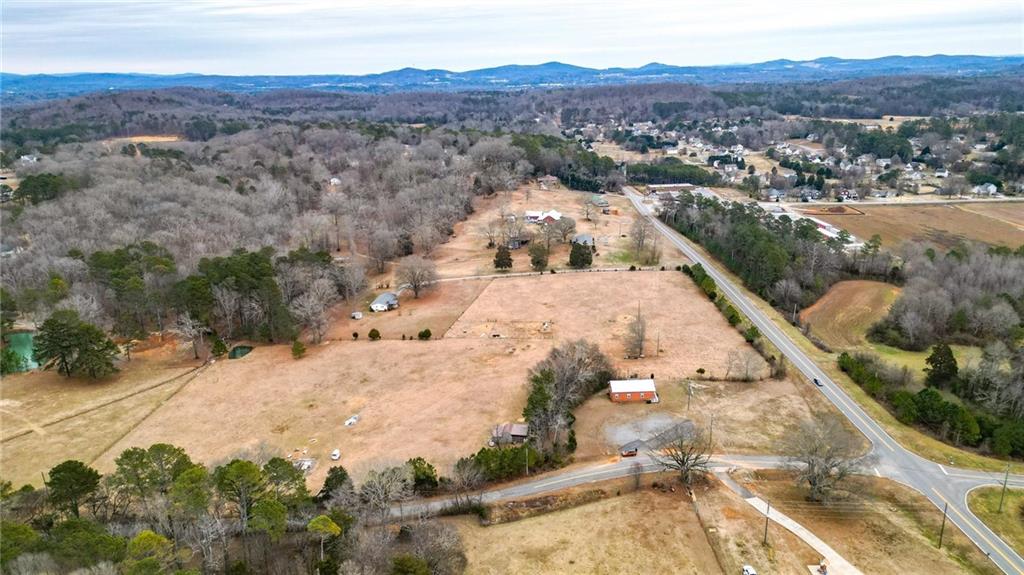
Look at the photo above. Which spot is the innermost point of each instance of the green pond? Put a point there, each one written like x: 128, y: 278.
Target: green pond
x: 239, y: 351
x: 21, y: 343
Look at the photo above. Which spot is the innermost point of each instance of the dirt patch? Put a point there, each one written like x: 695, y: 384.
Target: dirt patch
x: 842, y: 317
x: 837, y: 210
x: 882, y: 527
x: 643, y: 532
x: 945, y: 225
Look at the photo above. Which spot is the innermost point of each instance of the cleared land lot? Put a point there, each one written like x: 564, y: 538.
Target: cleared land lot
x: 843, y: 315
x: 435, y: 399
x: 467, y: 254
x: 996, y: 223
x: 78, y: 419
x: 748, y: 417
x: 599, y: 306
x: 643, y: 532
x: 882, y: 527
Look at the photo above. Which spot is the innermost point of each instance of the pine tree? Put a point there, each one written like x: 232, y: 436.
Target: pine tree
x: 503, y: 258
x: 580, y: 256
x: 942, y: 369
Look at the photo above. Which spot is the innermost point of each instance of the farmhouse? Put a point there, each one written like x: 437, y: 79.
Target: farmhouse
x: 631, y: 390
x: 386, y: 301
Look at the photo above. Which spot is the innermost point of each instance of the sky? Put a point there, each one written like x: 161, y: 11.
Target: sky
x: 240, y: 37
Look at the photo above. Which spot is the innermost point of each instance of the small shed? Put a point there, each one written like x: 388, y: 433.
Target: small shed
x: 510, y: 433
x: 584, y: 239
x: 632, y: 390
x: 386, y: 301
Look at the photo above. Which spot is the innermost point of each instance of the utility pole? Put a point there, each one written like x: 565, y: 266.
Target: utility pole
x: 943, y: 528
x: 1002, y: 495
x: 766, y: 512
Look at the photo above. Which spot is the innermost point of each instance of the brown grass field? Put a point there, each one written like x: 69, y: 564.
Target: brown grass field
x: 598, y: 306
x: 882, y: 527
x: 996, y: 223
x: 842, y: 316
x: 620, y: 154
x: 642, y: 532
x: 883, y: 122
x: 435, y: 399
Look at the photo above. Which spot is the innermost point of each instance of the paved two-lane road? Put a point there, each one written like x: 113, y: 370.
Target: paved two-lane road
x: 940, y: 484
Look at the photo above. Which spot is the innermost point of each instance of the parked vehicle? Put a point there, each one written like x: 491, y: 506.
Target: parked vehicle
x: 748, y: 570
x: 336, y: 455
x: 628, y: 452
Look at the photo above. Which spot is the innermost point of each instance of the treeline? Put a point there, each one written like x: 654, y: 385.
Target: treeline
x: 672, y: 171
x: 981, y: 420
x: 161, y: 512
x: 385, y: 195
x: 577, y: 168
x: 789, y: 263
x: 970, y: 295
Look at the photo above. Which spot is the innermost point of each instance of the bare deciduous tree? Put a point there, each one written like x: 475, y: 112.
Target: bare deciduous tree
x: 688, y: 453
x: 190, y: 330
x: 639, y: 234
x: 636, y: 335
x: 823, y: 454
x: 418, y: 273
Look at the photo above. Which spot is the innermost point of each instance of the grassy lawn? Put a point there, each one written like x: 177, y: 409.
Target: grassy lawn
x: 1009, y: 524
x: 912, y: 439
x: 915, y: 360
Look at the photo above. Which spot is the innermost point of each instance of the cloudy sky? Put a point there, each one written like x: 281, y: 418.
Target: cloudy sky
x: 363, y: 36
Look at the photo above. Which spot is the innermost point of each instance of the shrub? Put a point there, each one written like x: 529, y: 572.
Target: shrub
x: 219, y: 348
x: 355, y: 335
x: 424, y: 335
x: 298, y: 349
x: 374, y: 335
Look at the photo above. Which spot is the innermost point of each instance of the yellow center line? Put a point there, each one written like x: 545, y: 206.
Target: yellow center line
x: 979, y: 533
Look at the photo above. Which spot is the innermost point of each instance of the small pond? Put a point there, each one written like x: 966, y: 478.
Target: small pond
x: 239, y: 351
x: 21, y: 343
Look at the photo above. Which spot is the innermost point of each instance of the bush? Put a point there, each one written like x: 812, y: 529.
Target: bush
x: 355, y: 335
x: 903, y: 406
x: 298, y: 349
x: 374, y: 335
x: 219, y: 348
x: 424, y: 335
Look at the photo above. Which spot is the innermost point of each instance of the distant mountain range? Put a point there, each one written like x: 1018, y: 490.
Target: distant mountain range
x: 18, y: 87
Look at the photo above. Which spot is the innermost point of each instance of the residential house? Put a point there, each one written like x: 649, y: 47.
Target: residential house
x: 942, y: 173
x: 386, y: 301
x: 599, y: 201
x: 632, y: 390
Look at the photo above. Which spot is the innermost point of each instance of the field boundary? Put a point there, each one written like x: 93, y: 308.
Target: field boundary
x: 101, y: 405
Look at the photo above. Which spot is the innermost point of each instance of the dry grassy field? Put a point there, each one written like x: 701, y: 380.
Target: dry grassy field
x: 46, y: 418
x: 620, y: 154
x: 882, y: 527
x: 598, y: 306
x: 843, y: 315
x: 996, y: 223
x: 643, y: 532
x: 1008, y: 524
x: 885, y: 121
x: 467, y: 254
x: 435, y: 399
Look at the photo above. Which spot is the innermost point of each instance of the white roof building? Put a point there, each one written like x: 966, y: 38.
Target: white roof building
x: 632, y: 385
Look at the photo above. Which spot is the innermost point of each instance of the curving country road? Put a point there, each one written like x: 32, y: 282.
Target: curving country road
x: 942, y: 485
